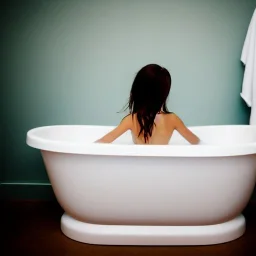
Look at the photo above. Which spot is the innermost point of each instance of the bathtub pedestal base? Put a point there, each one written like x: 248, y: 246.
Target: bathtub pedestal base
x: 152, y: 235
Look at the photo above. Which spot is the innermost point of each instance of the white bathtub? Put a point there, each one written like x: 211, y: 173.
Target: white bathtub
x: 125, y: 194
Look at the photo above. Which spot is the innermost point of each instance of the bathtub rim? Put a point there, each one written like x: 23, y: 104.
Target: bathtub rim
x: 139, y: 150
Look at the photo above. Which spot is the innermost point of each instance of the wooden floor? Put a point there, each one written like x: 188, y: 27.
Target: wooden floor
x: 33, y: 228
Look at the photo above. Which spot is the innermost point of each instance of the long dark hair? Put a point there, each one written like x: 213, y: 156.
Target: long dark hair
x: 149, y: 92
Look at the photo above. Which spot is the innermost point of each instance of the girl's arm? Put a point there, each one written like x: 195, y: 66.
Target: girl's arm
x: 124, y: 126
x: 184, y: 131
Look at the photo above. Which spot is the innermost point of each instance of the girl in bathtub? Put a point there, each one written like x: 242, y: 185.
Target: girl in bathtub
x: 149, y: 120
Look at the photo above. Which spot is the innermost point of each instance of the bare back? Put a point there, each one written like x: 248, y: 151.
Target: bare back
x: 162, y: 130
x: 165, y: 124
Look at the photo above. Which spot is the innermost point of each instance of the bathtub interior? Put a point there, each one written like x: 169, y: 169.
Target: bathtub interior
x: 211, y: 135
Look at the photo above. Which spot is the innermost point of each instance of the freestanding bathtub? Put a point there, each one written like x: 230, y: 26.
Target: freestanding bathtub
x: 125, y: 194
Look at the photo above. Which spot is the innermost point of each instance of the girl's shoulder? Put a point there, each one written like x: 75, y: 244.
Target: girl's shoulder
x: 171, y: 117
x: 127, y: 118
x: 168, y: 115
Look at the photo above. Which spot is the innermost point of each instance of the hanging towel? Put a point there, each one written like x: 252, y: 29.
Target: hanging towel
x: 248, y: 57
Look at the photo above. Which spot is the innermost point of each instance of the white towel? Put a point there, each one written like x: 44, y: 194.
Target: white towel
x: 249, y: 59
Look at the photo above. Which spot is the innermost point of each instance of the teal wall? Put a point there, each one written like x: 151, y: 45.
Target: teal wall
x: 73, y: 62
